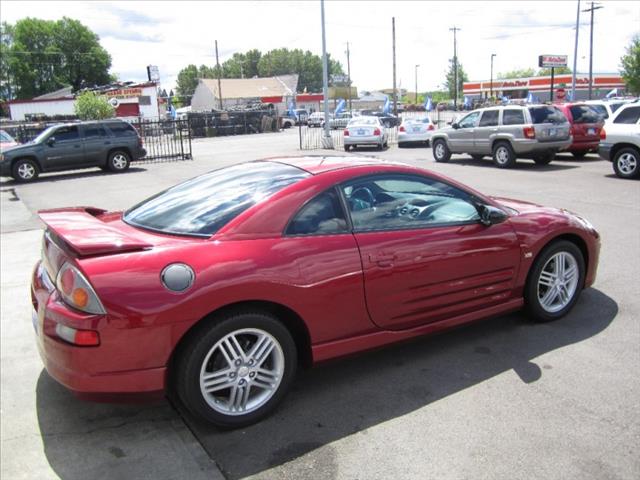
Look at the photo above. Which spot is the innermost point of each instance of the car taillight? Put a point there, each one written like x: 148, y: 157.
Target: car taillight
x: 431, y: 127
x: 346, y: 132
x: 376, y: 131
x: 603, y: 134
x: 401, y: 128
x: 84, y: 338
x: 76, y: 291
x: 529, y: 132
x: 572, y: 130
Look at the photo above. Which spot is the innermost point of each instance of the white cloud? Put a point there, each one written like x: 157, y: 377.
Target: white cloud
x: 175, y: 34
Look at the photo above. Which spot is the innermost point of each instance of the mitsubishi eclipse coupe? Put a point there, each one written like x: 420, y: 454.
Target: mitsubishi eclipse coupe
x: 219, y: 288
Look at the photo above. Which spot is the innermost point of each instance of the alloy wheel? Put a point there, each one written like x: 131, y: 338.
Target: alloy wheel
x: 119, y: 161
x: 627, y: 163
x: 558, y: 282
x: 26, y: 171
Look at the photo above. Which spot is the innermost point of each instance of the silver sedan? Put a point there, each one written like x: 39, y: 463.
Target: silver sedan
x: 365, y: 131
x: 414, y: 130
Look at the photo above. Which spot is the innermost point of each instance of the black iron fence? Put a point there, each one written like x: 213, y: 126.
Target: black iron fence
x: 165, y: 140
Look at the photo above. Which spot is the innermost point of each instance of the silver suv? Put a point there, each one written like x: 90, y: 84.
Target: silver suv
x: 505, y: 132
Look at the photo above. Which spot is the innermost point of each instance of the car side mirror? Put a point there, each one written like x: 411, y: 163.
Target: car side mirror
x: 51, y: 141
x: 455, y: 125
x: 490, y: 215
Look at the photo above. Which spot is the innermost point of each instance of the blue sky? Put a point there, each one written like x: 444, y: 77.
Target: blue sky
x: 175, y: 34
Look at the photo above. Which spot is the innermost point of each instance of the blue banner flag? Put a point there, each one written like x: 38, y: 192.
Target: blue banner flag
x: 340, y: 107
x: 428, y: 105
x: 387, y: 106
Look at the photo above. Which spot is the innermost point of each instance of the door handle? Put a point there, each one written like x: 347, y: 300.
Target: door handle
x: 382, y: 259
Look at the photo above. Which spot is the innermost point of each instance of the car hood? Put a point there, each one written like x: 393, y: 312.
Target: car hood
x: 18, y: 148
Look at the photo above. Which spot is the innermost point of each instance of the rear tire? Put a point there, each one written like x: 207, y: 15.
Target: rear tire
x: 25, y: 170
x: 347, y: 148
x: 118, y: 161
x: 441, y: 152
x: 626, y: 163
x: 503, y: 155
x: 233, y: 388
x: 552, y: 291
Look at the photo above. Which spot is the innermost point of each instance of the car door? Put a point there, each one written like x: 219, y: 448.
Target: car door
x: 96, y: 143
x: 63, y: 148
x: 461, y: 139
x: 486, y: 129
x: 425, y: 255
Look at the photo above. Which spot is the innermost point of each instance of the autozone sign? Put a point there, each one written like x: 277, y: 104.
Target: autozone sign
x: 546, y: 61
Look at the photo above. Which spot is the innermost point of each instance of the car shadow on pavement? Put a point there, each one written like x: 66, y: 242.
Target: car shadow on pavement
x: 526, y: 165
x: 56, y: 177
x: 347, y: 396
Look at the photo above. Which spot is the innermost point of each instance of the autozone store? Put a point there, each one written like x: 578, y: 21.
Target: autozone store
x: 540, y: 87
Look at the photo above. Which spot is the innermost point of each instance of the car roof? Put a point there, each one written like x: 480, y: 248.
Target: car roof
x: 320, y: 164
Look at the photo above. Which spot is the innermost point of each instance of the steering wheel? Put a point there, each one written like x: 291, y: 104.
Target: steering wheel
x: 364, y: 194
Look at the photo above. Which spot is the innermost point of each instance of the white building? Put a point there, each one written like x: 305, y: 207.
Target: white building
x: 131, y: 101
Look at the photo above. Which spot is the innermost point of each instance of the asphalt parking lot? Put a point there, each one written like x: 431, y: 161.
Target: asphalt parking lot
x: 503, y: 398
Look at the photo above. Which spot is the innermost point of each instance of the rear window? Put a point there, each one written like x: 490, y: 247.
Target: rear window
x: 512, y: 117
x: 628, y: 115
x: 584, y: 114
x: 203, y: 205
x: 547, y: 114
x: 121, y: 129
x: 602, y: 111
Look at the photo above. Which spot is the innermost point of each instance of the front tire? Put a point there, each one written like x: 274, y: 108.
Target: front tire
x: 118, y: 161
x: 626, y: 163
x: 235, y: 371
x: 503, y: 155
x: 25, y: 170
x: 441, y: 152
x: 555, y: 281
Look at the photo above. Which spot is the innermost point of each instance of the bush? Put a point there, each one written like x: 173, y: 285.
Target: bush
x: 90, y: 106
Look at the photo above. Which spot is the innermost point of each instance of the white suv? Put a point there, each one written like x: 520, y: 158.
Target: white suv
x: 620, y: 141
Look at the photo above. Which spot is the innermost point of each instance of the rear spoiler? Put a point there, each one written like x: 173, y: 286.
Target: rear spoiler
x: 86, y: 235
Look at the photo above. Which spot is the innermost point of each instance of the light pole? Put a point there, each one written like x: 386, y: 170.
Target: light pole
x: 417, y: 84
x: 592, y: 9
x: 327, y: 142
x: 491, y: 81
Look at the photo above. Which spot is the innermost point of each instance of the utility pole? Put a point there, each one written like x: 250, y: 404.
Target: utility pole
x: 491, y: 81
x: 395, y: 93
x: 417, y: 84
x: 327, y: 141
x: 455, y: 68
x: 575, y: 56
x: 218, y: 72
x: 592, y: 9
x: 349, y: 76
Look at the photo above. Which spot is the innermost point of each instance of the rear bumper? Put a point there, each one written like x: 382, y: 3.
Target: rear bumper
x: 363, y: 140
x: 404, y: 137
x: 535, y: 146
x: 584, y: 145
x: 82, y: 370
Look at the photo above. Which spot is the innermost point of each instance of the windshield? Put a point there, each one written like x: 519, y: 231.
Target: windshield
x: 203, y: 205
x: 547, y: 114
x: 44, y: 134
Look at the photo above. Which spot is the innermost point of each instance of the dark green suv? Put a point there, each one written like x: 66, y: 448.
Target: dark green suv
x: 109, y: 144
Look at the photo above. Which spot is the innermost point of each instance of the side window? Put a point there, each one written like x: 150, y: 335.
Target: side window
x: 321, y: 216
x: 405, y: 202
x: 489, y: 118
x: 121, y: 129
x: 65, y: 134
x: 469, y: 121
x: 94, y: 131
x: 628, y: 115
x: 512, y: 117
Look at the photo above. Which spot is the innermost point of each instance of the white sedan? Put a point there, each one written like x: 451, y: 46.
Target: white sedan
x: 416, y: 129
x: 365, y: 131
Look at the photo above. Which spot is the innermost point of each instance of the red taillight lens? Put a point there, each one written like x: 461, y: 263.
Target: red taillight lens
x: 431, y: 127
x: 66, y: 281
x: 346, y: 132
x: 603, y: 134
x: 529, y: 132
x: 572, y: 130
x: 401, y: 128
x: 84, y: 338
x: 376, y: 131
x: 77, y: 292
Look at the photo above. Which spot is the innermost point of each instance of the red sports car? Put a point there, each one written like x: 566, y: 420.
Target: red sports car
x: 222, y: 286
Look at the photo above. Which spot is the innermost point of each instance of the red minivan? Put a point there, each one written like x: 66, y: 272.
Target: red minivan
x: 586, y: 124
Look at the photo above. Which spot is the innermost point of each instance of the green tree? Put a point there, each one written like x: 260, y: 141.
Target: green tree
x: 90, y: 106
x: 6, y: 80
x: 44, y: 55
x: 449, y: 83
x: 522, y: 73
x: 187, y: 81
x: 545, y: 72
x: 630, y: 63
